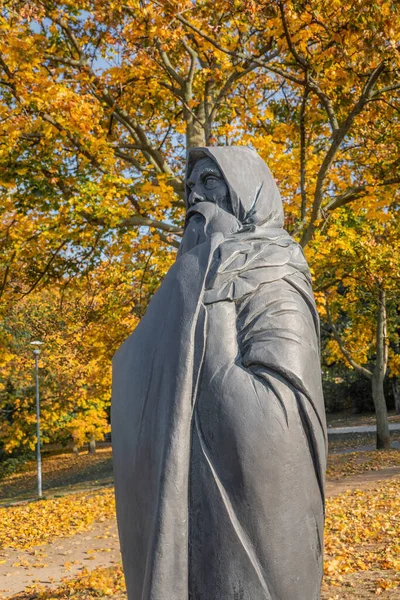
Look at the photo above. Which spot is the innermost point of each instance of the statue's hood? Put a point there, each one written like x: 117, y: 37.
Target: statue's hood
x: 254, y: 194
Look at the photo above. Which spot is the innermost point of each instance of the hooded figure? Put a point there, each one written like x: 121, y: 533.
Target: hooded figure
x: 218, y: 422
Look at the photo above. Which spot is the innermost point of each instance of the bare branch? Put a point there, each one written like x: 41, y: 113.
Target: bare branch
x: 326, y: 103
x: 129, y: 159
x: 72, y: 62
x: 192, y: 68
x: 355, y: 192
x: 6, y: 273
x: 70, y: 35
x: 6, y: 68
x: 168, y: 239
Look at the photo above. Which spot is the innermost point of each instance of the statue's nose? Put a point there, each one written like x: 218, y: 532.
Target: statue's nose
x: 195, y: 197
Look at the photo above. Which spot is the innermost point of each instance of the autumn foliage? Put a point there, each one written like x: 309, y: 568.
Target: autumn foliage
x: 99, y: 102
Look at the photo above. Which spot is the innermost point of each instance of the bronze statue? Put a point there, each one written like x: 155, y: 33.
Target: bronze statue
x: 218, y: 421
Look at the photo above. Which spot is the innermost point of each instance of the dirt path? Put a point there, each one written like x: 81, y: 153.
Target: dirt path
x: 99, y: 547
x: 65, y: 557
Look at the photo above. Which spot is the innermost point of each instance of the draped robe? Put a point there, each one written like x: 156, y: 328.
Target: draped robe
x: 218, y: 424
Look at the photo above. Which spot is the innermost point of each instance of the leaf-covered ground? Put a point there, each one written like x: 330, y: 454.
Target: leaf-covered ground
x: 61, y: 470
x: 26, y: 525
x: 354, y: 463
x: 358, y: 441
x: 362, y: 527
x: 64, y: 471
x: 362, y: 543
x: 99, y: 583
x: 348, y: 419
x: 362, y: 553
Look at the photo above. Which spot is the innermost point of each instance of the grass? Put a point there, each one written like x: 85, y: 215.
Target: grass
x: 62, y: 472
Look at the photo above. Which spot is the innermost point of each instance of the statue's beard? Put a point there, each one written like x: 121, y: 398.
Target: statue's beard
x: 205, y: 218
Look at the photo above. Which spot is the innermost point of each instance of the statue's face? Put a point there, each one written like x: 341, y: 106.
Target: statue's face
x: 206, y: 184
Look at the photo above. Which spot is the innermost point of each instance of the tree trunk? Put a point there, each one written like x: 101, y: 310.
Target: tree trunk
x: 382, y: 424
x: 378, y: 376
x: 92, y: 446
x: 195, y: 131
x: 74, y: 446
x: 396, y: 394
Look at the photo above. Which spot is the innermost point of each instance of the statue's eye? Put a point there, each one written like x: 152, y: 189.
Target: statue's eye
x: 211, y: 182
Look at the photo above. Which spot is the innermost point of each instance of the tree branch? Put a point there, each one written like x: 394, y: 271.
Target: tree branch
x: 151, y: 154
x: 129, y: 159
x: 354, y: 192
x: 389, y: 88
x: 6, y: 273
x: 303, y: 156
x: 136, y: 220
x: 168, y: 239
x: 366, y: 372
x: 298, y: 58
x: 338, y: 137
x: 146, y: 221
x: 168, y: 65
x: 46, y: 269
x: 326, y: 103
x: 70, y: 35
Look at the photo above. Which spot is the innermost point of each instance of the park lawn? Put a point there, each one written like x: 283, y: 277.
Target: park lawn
x: 348, y: 419
x: 355, y: 463
x: 65, y: 472
x: 62, y: 471
x: 357, y: 441
x: 362, y: 553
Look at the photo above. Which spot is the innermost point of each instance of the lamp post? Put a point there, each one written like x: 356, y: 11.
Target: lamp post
x: 36, y: 352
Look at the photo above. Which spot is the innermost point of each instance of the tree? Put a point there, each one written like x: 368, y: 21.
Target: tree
x: 99, y: 102
x: 358, y: 278
x: 337, y: 66
x: 81, y: 323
